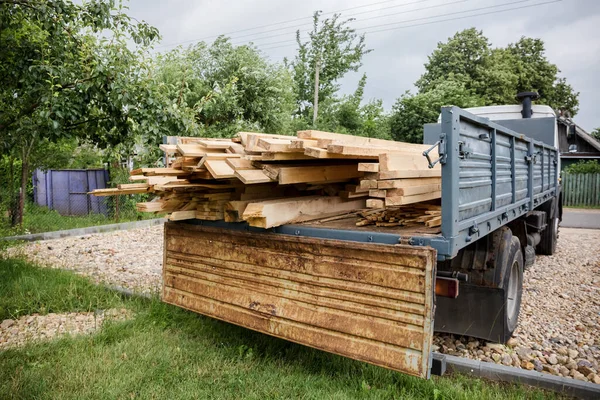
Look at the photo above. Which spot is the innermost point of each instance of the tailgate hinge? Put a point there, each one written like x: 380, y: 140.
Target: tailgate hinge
x: 441, y: 145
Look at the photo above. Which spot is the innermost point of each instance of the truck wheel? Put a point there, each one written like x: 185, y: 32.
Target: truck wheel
x: 548, y: 237
x: 513, y: 287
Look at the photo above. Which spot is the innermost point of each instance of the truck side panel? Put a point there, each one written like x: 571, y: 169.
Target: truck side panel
x: 370, y: 302
x: 502, y: 175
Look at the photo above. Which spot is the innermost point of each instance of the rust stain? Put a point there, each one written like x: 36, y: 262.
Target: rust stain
x: 369, y: 302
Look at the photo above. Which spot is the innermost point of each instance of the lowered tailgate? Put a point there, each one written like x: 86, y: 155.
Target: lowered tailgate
x: 365, y: 301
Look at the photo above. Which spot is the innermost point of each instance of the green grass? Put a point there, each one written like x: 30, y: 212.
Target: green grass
x: 166, y: 352
x: 38, y: 219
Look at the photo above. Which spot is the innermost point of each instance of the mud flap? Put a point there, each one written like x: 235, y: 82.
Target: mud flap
x: 478, y: 311
x: 366, y: 301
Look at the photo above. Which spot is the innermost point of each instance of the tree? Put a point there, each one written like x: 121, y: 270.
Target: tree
x: 410, y: 112
x: 496, y: 75
x: 596, y: 133
x: 225, y: 88
x: 66, y: 71
x: 336, y: 48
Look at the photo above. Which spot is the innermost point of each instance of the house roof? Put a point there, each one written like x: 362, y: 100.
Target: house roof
x: 579, y: 131
x: 587, y: 137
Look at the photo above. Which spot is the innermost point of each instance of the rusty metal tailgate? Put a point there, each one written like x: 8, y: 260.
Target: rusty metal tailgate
x: 365, y: 301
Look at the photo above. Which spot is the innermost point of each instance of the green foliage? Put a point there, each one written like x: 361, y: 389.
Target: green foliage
x: 496, y: 75
x: 596, y: 134
x: 584, y: 167
x: 412, y: 111
x: 221, y: 89
x: 337, y: 49
x: 70, y: 70
x: 167, y: 352
x: 351, y: 115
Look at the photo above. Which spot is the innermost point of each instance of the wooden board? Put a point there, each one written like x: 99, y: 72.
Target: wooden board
x: 303, y: 143
x: 402, y: 183
x: 182, y: 215
x: 271, y: 213
x: 369, y: 302
x: 338, y: 138
x: 412, y: 190
x: 368, y: 167
x: 289, y: 175
x: 252, y: 176
x: 397, y: 162
x: 401, y: 200
x: 216, y: 144
x: 278, y: 145
x: 159, y: 171
x: 317, y: 152
x: 366, y: 152
x: 429, y: 173
x: 192, y: 150
x: 219, y: 169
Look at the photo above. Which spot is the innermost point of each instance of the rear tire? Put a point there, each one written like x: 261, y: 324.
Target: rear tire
x: 549, y: 236
x: 513, y: 287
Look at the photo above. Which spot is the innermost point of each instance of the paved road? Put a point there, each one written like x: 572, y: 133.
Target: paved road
x: 580, y: 218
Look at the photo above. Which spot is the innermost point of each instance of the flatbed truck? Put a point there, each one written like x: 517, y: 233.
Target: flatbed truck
x: 377, y: 294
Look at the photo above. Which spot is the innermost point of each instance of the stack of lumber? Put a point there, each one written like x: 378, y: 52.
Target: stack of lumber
x: 269, y: 180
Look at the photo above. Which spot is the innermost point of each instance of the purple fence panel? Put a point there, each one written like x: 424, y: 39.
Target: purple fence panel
x: 66, y: 190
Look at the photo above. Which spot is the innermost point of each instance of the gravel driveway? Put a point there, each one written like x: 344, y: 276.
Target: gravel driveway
x: 558, y: 333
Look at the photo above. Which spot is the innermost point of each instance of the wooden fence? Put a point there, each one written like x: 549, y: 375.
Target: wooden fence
x: 581, y: 190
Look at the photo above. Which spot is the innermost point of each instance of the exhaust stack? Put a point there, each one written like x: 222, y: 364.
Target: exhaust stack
x: 526, y: 98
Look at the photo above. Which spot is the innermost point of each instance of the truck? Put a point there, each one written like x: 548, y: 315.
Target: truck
x: 378, y: 294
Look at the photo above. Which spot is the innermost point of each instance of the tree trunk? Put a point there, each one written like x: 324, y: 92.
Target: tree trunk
x: 23, y: 190
x: 12, y: 195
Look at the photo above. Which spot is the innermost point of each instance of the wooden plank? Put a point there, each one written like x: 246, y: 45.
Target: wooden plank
x: 216, y: 144
x: 341, y: 139
x: 192, y: 150
x: 289, y: 175
x: 380, y: 193
x: 430, y: 173
x: 253, y: 136
x: 316, y: 152
x: 219, y: 169
x: 159, y: 171
x: 168, y: 148
x: 412, y: 190
x: 283, y: 156
x: 437, y: 221
x: 371, y: 152
x: 239, y: 163
x: 403, y: 183
x: 133, y: 186
x: 367, y: 184
x: 368, y: 167
x: 375, y: 203
x: 182, y: 215
x: 401, y: 200
x: 398, y: 162
x: 372, y: 304
x: 278, y: 145
x: 271, y: 213
x: 116, y: 191
x: 252, y: 176
x: 303, y: 143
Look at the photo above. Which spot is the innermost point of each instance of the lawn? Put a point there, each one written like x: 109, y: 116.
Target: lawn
x: 166, y: 352
x: 38, y: 219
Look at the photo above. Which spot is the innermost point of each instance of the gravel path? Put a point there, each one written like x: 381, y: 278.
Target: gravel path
x: 559, y: 328
x: 45, y: 327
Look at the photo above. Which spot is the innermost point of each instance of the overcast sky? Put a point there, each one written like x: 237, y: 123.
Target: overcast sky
x: 408, y: 31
